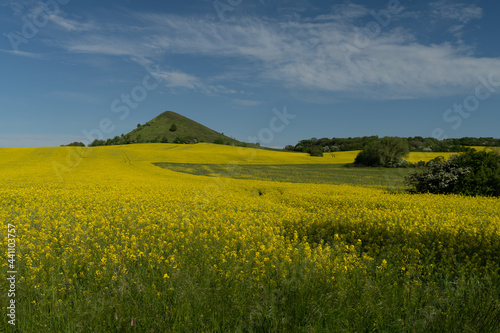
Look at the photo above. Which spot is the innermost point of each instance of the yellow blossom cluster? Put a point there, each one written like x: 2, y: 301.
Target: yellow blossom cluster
x: 106, y: 218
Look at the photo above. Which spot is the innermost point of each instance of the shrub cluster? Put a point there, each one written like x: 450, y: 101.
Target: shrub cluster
x: 387, y: 152
x: 74, y: 144
x: 470, y: 173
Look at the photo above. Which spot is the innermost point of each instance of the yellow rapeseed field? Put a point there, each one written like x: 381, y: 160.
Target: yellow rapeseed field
x: 106, y: 239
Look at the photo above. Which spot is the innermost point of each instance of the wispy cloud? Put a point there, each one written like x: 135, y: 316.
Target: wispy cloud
x: 23, y: 54
x: 106, y: 45
x: 71, y: 25
x: 345, y: 12
x: 446, y: 9
x: 458, y: 13
x: 305, y: 56
x: 179, y: 79
x: 20, y: 7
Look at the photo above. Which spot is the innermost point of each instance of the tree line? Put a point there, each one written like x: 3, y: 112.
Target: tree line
x: 316, y: 147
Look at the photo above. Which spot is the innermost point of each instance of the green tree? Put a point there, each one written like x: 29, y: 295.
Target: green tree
x: 173, y: 128
x: 470, y: 173
x: 76, y: 144
x: 97, y: 143
x: 484, y: 178
x: 164, y: 140
x: 315, y: 151
x: 387, y: 152
x: 439, y: 177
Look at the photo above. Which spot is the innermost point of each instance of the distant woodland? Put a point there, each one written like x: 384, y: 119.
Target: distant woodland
x: 316, y: 146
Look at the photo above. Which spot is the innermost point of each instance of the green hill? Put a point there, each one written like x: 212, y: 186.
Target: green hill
x: 184, y: 131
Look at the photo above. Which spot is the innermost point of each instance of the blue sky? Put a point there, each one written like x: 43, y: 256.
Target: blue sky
x: 273, y: 71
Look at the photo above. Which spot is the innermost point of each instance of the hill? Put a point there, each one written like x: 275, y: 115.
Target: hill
x: 186, y: 131
x: 171, y: 127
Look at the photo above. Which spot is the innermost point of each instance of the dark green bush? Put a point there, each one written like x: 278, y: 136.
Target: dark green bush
x: 97, y: 143
x: 387, y: 152
x: 470, y: 173
x: 219, y: 141
x: 76, y: 144
x: 315, y: 151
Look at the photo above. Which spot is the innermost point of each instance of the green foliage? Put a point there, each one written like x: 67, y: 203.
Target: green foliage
x: 185, y: 140
x: 315, y: 151
x: 76, y: 144
x: 173, y: 128
x: 164, y: 140
x: 219, y: 141
x: 189, y: 140
x: 485, y: 176
x: 97, y: 143
x: 115, y: 141
x: 417, y: 144
x: 471, y: 173
x: 387, y: 152
x: 439, y: 177
x: 368, y: 157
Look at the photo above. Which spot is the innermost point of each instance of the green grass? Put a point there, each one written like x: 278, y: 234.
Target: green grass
x: 196, y: 299
x: 299, y: 173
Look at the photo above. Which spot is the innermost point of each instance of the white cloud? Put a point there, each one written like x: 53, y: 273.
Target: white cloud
x: 20, y: 7
x: 178, y: 79
x: 105, y: 45
x: 344, y: 12
x: 461, y: 14
x: 305, y: 56
x: 23, y: 54
x: 71, y: 25
x: 446, y: 9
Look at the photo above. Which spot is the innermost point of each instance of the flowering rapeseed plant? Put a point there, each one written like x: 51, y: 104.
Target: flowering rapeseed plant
x: 105, y: 229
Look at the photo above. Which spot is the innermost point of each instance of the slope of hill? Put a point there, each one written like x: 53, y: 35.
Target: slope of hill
x: 173, y: 127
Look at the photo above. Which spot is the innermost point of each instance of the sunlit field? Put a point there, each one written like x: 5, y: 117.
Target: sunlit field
x: 210, y: 238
